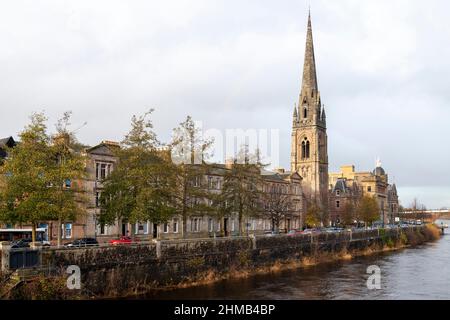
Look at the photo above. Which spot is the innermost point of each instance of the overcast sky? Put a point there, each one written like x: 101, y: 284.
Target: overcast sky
x: 382, y: 69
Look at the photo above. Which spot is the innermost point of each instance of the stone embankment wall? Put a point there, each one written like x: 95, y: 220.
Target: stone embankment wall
x: 117, y: 271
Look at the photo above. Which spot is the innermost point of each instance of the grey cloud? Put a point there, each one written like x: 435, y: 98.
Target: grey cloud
x: 382, y: 67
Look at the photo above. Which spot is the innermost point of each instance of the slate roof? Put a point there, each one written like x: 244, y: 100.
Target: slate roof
x: 341, y: 185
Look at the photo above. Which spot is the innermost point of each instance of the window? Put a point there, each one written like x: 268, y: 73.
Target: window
x: 67, y: 183
x: 166, y: 228
x: 66, y: 230
x: 142, y: 228
x: 175, y: 226
x: 103, y: 229
x: 197, y: 182
x: 338, y: 192
x: 210, y: 182
x: 233, y: 227
x: 195, y: 225
x: 338, y: 204
x: 102, y: 170
x: 210, y: 225
x: 305, y: 149
x: 305, y: 112
x: 369, y: 189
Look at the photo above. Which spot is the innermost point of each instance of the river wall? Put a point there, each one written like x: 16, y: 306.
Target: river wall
x: 119, y: 271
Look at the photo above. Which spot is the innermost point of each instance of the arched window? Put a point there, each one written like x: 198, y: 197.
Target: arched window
x: 303, y: 149
x: 307, y: 150
x: 305, y: 112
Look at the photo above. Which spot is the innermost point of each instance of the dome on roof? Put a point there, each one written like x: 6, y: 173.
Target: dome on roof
x: 379, y: 171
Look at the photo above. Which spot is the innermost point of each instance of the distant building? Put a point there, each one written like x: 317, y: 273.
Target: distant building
x: 348, y: 185
x: 6, y: 143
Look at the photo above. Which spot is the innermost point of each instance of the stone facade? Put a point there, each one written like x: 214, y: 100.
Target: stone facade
x: 200, y: 225
x: 309, y: 148
x: 357, y: 184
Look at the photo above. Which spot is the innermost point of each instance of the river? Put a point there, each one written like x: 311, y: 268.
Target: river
x: 420, y: 273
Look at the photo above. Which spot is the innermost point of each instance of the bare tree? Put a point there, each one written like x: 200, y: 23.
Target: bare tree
x: 277, y: 207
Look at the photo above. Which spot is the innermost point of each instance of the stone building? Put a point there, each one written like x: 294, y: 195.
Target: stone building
x: 357, y: 184
x: 203, y: 226
x: 100, y: 162
x: 287, y: 185
x: 342, y: 193
x: 309, y: 147
x: 6, y: 143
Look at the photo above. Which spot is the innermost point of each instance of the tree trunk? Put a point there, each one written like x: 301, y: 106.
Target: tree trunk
x: 33, y: 233
x: 58, y: 232
x: 240, y: 223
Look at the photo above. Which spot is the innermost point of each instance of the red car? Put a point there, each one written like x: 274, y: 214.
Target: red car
x: 294, y: 233
x: 121, y: 240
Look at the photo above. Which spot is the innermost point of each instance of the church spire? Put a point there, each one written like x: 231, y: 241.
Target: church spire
x: 309, y: 82
x: 324, y: 116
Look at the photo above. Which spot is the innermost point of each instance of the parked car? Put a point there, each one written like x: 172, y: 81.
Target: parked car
x: 83, y: 242
x: 310, y: 231
x: 25, y: 243
x: 272, y: 233
x: 121, y: 240
x: 295, y: 232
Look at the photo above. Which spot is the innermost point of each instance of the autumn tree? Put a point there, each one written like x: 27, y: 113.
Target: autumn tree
x: 67, y: 170
x: 138, y: 189
x: 189, y: 151
x: 241, y: 193
x: 348, y: 215
x: 36, y: 176
x: 368, y: 210
x: 313, y: 214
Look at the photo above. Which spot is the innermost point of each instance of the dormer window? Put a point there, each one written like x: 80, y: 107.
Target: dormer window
x: 338, y: 192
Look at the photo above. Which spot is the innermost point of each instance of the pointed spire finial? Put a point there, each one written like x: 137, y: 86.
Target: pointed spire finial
x: 309, y: 82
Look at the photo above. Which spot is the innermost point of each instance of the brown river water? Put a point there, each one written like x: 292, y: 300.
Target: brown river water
x: 421, y: 273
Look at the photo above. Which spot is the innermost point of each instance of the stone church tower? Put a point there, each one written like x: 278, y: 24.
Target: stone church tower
x: 309, y: 147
